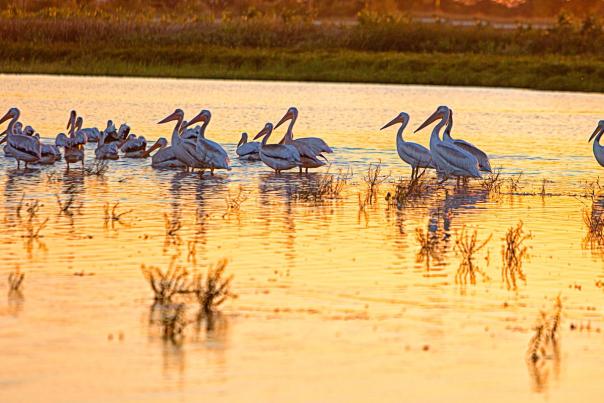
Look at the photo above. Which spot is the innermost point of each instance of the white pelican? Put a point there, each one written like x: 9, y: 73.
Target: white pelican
x: 49, y: 153
x: 22, y: 148
x: 413, y: 154
x: 110, y: 133
x: 134, y: 146
x: 209, y: 154
x: 317, y: 144
x: 164, y: 158
x: 183, y: 151
x: 249, y: 151
x: 123, y: 132
x: 74, y: 144
x: 598, y: 148
x: 483, y: 159
x: 449, y: 159
x: 93, y: 134
x: 106, y: 151
x: 279, y: 157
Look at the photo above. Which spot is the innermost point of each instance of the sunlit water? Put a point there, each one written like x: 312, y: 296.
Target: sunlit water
x: 335, y: 301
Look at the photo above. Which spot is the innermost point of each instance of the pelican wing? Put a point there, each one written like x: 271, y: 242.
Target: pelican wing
x: 317, y: 144
x: 419, y: 153
x: 458, y: 158
x: 25, y: 144
x: 248, y: 148
x: 79, y: 139
x: 62, y: 140
x: 281, y: 151
x: 481, y: 156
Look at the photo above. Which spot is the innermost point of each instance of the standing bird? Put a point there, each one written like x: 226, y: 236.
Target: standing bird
x: 182, y: 151
x: 249, y: 151
x: 73, y: 146
x: 279, y: 157
x: 134, y: 146
x: 164, y: 158
x: 413, y: 154
x: 317, y: 144
x: 106, y: 151
x: 22, y: 148
x: 210, y: 154
x: 483, y: 159
x: 598, y: 148
x: 449, y: 159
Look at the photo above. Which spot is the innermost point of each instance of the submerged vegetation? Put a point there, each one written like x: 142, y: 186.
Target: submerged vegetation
x: 376, y: 48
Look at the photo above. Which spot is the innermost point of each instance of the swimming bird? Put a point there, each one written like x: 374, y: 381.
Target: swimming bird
x: 449, y: 159
x: 73, y: 145
x: 279, y: 157
x: 317, y: 144
x: 49, y: 153
x: 413, y: 154
x: 209, y: 154
x: 483, y: 159
x: 249, y: 151
x: 22, y: 148
x: 597, y: 147
x: 134, y: 146
x: 164, y: 157
x: 110, y: 133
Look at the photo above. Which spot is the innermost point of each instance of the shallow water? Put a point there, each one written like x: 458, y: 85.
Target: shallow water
x: 334, y: 302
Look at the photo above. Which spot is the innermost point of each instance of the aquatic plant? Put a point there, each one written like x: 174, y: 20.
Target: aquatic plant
x: 594, y: 221
x: 166, y: 285
x: 492, y: 183
x: 15, y: 280
x: 467, y: 246
x: 322, y: 187
x: 65, y: 207
x: 514, y: 183
x: 409, y: 190
x: 234, y: 202
x: 429, y: 247
x: 98, y: 168
x: 513, y: 252
x: 214, y: 289
x: 545, y: 339
x: 112, y: 215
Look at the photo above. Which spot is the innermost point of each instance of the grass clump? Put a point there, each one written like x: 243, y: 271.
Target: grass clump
x: 513, y: 253
x: 492, y: 183
x: 467, y: 246
x: 323, y: 187
x: 214, y: 289
x: 373, y: 180
x: 166, y: 285
x: 98, y: 168
x: 409, y: 190
x: 429, y: 247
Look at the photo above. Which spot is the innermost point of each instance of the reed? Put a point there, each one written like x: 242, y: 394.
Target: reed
x: 492, y: 183
x: 167, y: 284
x: 513, y: 253
x: 98, y: 168
x: 409, y: 190
x: 514, y: 183
x: 467, y: 246
x: 15, y: 280
x: 323, y: 187
x: 373, y: 180
x: 213, y: 289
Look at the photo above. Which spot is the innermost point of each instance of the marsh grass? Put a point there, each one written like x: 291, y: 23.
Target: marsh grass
x: 167, y: 284
x: 407, y: 191
x: 214, y: 289
x: 430, y: 247
x: 467, y: 246
x: 373, y: 180
x: 513, y: 253
x: 234, y: 201
x: 98, y: 168
x: 15, y: 280
x: 322, y: 187
x: 514, y: 183
x: 544, y: 343
x: 493, y: 183
x: 112, y: 215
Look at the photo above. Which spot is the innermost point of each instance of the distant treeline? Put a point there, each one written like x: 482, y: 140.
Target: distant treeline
x: 313, y: 9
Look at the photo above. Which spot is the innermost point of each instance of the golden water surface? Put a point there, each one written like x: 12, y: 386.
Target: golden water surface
x: 336, y: 301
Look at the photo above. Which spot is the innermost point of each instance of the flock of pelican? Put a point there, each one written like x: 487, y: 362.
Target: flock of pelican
x: 190, y: 149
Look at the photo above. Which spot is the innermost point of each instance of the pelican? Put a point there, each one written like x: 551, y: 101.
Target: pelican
x: 413, y: 154
x: 49, y: 153
x: 483, y: 159
x: 93, y: 134
x: 182, y: 151
x: 74, y: 144
x: 110, y: 133
x: 164, y: 158
x: 209, y: 154
x: 279, y: 157
x: 317, y: 144
x: 598, y: 148
x: 248, y: 151
x: 123, y: 132
x: 134, y: 146
x: 449, y: 159
x: 106, y: 151
x: 22, y: 148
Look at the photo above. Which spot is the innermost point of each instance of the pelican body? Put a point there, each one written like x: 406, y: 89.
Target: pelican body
x: 279, y: 157
x: 598, y: 149
x: 483, y: 159
x: 449, y: 159
x: 416, y: 155
x: 22, y: 148
x: 134, y: 146
x: 106, y: 151
x: 73, y: 145
x: 207, y: 153
x: 310, y: 148
x: 164, y: 157
x: 248, y: 151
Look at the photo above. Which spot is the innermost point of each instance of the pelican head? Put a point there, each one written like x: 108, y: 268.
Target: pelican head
x: 442, y: 112
x: 123, y: 131
x: 401, y: 118
x: 78, y: 124
x: 204, y: 116
x: 291, y: 114
x: 72, y: 118
x: 11, y: 114
x: 178, y: 114
x: 265, y: 132
x: 28, y: 131
x: 598, y: 132
x: 243, y: 139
